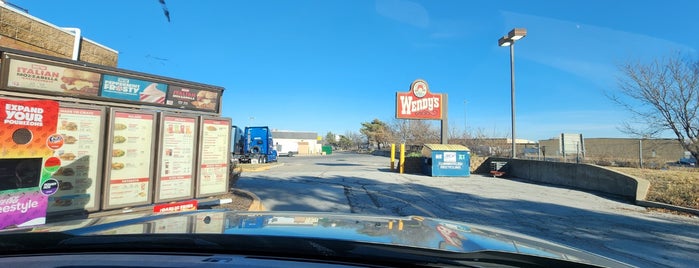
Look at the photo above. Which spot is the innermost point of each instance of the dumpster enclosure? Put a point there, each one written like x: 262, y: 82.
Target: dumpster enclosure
x: 446, y: 160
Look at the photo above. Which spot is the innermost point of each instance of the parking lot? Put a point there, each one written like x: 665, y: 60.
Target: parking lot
x: 602, y: 224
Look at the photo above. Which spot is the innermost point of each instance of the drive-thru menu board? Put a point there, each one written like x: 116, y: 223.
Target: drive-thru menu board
x: 214, y: 156
x: 177, y: 158
x: 81, y: 156
x: 129, y: 165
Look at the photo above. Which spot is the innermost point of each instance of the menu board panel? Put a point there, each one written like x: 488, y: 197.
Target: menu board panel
x: 129, y: 165
x: 214, y: 158
x: 40, y: 76
x: 78, y: 176
x: 132, y: 89
x: 192, y: 98
x: 177, y: 156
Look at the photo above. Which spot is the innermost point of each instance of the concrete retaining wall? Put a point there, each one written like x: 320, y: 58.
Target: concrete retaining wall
x: 582, y: 176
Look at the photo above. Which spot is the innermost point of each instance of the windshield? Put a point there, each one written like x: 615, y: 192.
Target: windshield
x: 572, y: 122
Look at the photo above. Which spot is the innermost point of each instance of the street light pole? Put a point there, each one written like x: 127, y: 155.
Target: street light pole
x: 512, y: 98
x: 509, y: 40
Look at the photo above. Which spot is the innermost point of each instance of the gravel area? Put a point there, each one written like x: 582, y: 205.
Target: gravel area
x: 241, y: 200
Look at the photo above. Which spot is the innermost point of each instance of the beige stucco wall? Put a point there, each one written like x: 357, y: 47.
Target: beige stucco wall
x: 22, y: 31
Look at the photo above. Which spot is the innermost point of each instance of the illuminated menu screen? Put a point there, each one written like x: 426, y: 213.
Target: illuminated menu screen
x: 78, y: 175
x: 131, y: 154
x: 214, y: 164
x: 177, y: 161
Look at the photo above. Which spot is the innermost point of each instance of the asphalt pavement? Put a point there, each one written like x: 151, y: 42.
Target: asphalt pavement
x: 603, y: 224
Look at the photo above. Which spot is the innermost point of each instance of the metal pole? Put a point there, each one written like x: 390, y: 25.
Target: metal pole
x: 512, y: 87
x: 444, y: 137
x: 640, y: 152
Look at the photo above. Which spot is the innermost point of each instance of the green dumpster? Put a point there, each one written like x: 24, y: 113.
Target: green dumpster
x: 327, y: 149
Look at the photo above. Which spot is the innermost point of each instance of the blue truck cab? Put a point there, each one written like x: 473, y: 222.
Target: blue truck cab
x: 253, y: 145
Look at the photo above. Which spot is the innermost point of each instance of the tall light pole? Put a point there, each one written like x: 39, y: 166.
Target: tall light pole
x: 509, y: 41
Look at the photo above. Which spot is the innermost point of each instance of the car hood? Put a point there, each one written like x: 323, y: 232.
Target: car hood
x: 411, y: 231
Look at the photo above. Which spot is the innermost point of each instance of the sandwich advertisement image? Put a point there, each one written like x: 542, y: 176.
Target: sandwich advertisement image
x: 131, y: 89
x: 27, y: 163
x: 39, y: 76
x: 193, y: 98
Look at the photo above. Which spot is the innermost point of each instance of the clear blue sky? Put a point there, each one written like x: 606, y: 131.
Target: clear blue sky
x: 328, y: 65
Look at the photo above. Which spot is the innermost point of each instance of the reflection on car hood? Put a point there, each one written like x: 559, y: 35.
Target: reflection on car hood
x: 411, y: 231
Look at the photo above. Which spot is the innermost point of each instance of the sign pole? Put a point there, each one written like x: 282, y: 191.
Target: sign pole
x: 444, y: 139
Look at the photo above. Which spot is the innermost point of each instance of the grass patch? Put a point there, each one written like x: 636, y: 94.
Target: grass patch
x: 674, y: 186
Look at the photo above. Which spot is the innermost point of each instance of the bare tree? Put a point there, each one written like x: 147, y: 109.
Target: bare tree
x: 662, y: 95
x: 355, y: 138
x: 414, y: 132
x: 484, y: 144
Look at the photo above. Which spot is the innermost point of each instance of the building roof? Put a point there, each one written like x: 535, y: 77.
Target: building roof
x: 294, y: 135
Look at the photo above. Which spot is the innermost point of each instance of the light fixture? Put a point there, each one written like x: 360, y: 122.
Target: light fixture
x: 509, y: 41
x: 504, y: 41
x: 517, y: 33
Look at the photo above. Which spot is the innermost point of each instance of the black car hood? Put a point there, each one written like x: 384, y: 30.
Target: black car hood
x: 412, y: 231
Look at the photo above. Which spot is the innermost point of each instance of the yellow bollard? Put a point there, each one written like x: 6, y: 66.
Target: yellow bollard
x: 402, y: 158
x: 393, y: 156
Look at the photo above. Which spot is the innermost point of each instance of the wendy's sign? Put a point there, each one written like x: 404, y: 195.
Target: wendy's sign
x: 419, y: 103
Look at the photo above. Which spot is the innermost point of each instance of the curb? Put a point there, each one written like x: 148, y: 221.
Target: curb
x: 651, y: 204
x: 256, y: 203
x: 263, y: 167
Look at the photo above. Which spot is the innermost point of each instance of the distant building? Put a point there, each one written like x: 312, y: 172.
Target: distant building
x: 289, y: 143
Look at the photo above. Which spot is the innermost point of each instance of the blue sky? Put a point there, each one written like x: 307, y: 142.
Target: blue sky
x: 328, y: 65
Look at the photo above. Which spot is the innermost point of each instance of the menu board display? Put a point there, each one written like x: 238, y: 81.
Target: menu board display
x: 132, y: 89
x: 78, y: 175
x: 177, y: 154
x: 129, y: 179
x: 192, y: 98
x: 214, y: 156
x: 39, y: 76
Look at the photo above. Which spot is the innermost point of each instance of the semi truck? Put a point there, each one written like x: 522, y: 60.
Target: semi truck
x: 252, y: 145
